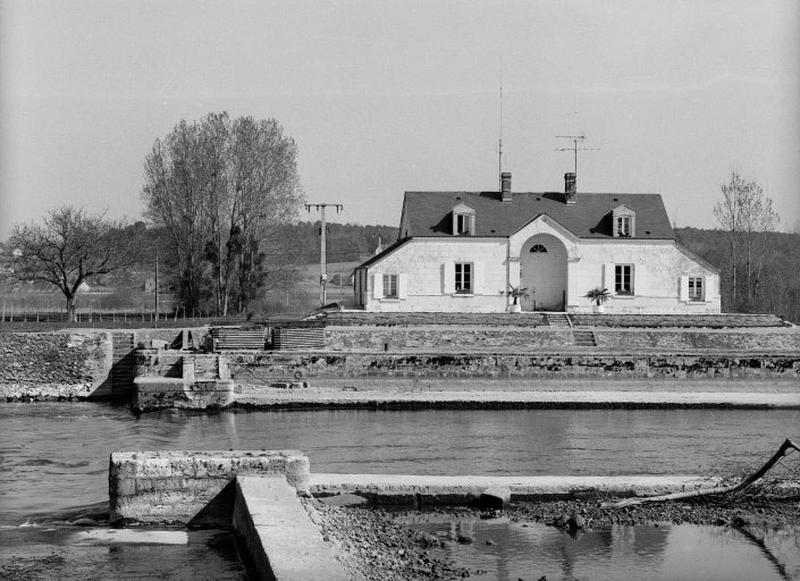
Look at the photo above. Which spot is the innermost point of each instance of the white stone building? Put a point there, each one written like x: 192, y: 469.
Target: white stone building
x: 463, y: 251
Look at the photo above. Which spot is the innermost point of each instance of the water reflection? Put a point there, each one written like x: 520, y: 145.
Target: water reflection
x: 508, y: 551
x: 62, y: 553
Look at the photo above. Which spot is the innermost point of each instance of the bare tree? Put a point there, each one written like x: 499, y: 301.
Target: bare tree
x: 69, y: 248
x: 746, y: 215
x: 220, y: 186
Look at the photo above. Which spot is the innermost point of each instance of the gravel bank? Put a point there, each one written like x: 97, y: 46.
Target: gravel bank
x: 371, y: 547
x: 709, y: 511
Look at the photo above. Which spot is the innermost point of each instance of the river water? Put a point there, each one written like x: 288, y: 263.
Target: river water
x: 54, y: 462
x: 54, y: 456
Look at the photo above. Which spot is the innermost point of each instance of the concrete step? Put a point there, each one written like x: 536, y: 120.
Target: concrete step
x: 584, y: 338
x: 558, y: 320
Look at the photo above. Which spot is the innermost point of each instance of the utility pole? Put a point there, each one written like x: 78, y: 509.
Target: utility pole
x: 155, y: 297
x: 323, y: 266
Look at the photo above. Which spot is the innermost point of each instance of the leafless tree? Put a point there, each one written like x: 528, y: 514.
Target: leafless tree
x: 220, y: 186
x: 746, y: 215
x: 69, y: 248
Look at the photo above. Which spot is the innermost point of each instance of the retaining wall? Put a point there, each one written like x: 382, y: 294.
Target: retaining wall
x: 445, y: 338
x: 63, y: 364
x: 262, y: 367
x: 464, y: 339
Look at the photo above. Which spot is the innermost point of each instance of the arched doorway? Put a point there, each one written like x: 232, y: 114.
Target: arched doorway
x: 543, y: 271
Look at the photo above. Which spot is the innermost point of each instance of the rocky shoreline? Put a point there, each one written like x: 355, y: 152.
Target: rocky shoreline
x: 37, y: 392
x: 372, y: 546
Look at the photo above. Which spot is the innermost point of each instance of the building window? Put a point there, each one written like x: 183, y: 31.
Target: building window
x: 623, y: 221
x: 463, y: 222
x: 696, y: 288
x: 623, y: 279
x: 622, y: 227
x: 464, y: 278
x: 538, y: 248
x: 390, y: 286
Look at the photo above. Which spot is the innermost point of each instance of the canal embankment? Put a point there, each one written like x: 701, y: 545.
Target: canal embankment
x: 194, y: 369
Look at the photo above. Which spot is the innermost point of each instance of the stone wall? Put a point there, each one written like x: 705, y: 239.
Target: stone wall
x: 477, y: 339
x: 445, y: 338
x: 53, y: 365
x: 688, y: 341
x: 262, y: 368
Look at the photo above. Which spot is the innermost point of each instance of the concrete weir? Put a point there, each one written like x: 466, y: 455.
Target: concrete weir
x: 256, y: 493
x: 416, y: 491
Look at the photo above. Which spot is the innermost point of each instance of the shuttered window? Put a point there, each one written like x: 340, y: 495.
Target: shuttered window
x: 696, y: 291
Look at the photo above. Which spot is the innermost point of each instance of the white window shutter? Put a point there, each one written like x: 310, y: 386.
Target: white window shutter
x: 402, y: 280
x: 684, y: 288
x: 639, y: 282
x: 377, y: 286
x: 477, y: 278
x: 608, y: 276
x: 448, y: 278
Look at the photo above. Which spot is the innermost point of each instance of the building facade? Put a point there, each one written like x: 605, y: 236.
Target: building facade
x: 465, y: 252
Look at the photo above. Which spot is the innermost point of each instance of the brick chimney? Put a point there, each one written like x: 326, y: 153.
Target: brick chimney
x: 505, y: 186
x: 570, y: 187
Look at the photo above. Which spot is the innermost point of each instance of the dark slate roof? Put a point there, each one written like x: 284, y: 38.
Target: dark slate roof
x: 428, y: 213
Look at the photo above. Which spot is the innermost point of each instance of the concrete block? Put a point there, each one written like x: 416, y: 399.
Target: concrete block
x: 278, y: 534
x: 176, y: 486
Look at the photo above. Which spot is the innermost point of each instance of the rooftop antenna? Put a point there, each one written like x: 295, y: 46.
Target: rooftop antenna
x: 575, y: 139
x: 500, y: 140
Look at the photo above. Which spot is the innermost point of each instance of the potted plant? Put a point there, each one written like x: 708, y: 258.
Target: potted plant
x: 598, y: 296
x: 516, y: 292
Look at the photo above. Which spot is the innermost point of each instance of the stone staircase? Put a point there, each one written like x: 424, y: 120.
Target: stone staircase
x: 558, y: 320
x: 584, y: 338
x: 123, y: 367
x: 301, y: 339
x: 238, y: 339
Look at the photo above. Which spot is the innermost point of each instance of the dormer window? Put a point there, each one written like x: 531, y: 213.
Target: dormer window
x: 463, y: 220
x: 623, y: 227
x: 623, y: 220
x: 463, y: 224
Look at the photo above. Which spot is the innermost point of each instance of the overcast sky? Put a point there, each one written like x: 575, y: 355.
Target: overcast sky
x: 384, y: 97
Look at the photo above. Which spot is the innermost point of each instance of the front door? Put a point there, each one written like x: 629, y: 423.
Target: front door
x: 543, y: 271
